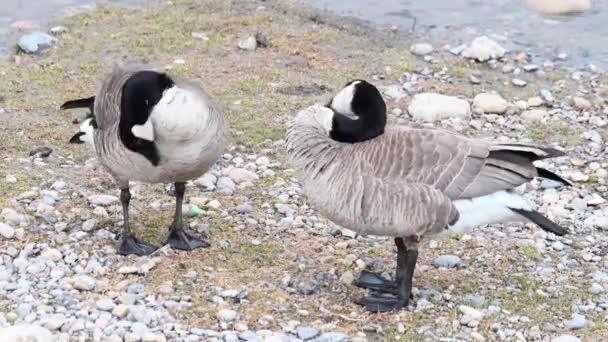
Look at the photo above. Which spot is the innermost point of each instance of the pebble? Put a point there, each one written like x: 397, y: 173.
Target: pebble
x: 332, y: 337
x: 105, y: 304
x: 431, y: 107
x: 244, y: 208
x: 103, y: 200
x: 226, y: 315
x: 421, y: 49
x: 534, y: 115
x: 307, y: 333
x: 249, y: 44
x: 10, y: 179
x: 347, y: 278
x: 89, y: 225
x: 51, y: 254
x: 240, y: 175
x: 83, y: 283
x: 483, y: 49
x: 36, y: 42
x: 226, y: 186
x: 26, y: 332
x: 447, y: 261
x: 262, y: 161
x: 578, y: 321
x: 519, y: 82
x: 596, y: 289
x: 6, y: 231
x: 566, y: 338
x: 490, y: 103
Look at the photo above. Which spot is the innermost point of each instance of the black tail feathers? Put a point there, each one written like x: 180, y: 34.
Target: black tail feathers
x: 542, y: 222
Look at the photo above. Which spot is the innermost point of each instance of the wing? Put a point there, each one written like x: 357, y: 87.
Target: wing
x: 410, y: 209
x: 458, y: 166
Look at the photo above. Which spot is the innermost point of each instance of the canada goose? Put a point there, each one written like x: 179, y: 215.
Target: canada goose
x: 406, y: 181
x: 149, y: 126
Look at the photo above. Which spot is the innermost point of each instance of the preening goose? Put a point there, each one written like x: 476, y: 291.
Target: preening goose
x: 149, y: 126
x: 406, y: 181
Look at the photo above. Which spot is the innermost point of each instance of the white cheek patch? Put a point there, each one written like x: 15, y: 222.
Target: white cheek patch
x: 342, y: 102
x: 325, y: 119
x: 87, y: 129
x: 145, y: 131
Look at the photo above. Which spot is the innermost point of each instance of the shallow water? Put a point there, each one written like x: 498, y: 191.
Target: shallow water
x: 583, y: 36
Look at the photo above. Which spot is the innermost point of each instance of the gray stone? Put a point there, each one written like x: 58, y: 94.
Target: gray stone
x: 36, y: 42
x: 6, y: 231
x: 578, y: 321
x: 600, y: 276
x: 244, y: 208
x: 566, y: 338
x: 307, y: 333
x: 55, y: 321
x: 250, y: 44
x: 483, y: 49
x: 103, y: 200
x: 83, y: 283
x: 519, y: 82
x: 225, y: 186
x: 89, y: 225
x: 105, y: 304
x: 447, y: 261
x: 333, y: 337
x: 26, y: 332
x: 248, y: 335
x: 431, y: 107
x: 227, y: 315
x: 421, y: 49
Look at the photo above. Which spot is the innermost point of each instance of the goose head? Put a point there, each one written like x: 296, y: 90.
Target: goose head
x: 140, y: 94
x: 359, y: 113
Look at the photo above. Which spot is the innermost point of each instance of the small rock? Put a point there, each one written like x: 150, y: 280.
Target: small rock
x: 6, y: 231
x: 10, y: 179
x: 566, y: 338
x: 596, y: 288
x: 447, y: 261
x: 239, y: 175
x: 347, y: 278
x: 578, y: 321
x: 226, y: 315
x: 89, y: 225
x: 226, y: 186
x: 249, y: 44
x: 431, y: 107
x: 530, y: 67
x: 581, y: 103
x: 26, y: 332
x: 36, y: 42
x: 83, y: 283
x: 333, y: 337
x: 262, y: 41
x: 518, y: 82
x: 244, y: 208
x: 421, y: 49
x: 559, y: 7
x: 41, y: 152
x: 103, y: 200
x: 483, y: 49
x: 534, y: 115
x: 262, y: 161
x: 51, y: 254
x: 307, y: 333
x: 214, y: 204
x: 490, y: 103
x: 105, y: 304
x: 57, y: 30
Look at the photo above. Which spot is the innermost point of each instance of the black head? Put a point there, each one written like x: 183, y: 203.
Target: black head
x: 140, y: 93
x: 359, y: 112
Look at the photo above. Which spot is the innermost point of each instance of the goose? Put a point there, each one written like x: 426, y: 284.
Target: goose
x: 406, y: 181
x: 149, y: 126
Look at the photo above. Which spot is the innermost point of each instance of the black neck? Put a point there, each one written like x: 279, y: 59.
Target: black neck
x: 140, y: 94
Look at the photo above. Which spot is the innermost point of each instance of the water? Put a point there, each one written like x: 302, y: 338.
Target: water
x: 37, y: 13
x: 584, y: 36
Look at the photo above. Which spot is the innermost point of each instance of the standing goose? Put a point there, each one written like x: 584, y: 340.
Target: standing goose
x: 406, y: 181
x: 149, y: 126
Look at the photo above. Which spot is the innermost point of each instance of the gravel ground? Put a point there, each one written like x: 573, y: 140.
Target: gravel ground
x: 276, y: 271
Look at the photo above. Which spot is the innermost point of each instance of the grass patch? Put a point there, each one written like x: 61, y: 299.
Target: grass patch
x: 555, y: 132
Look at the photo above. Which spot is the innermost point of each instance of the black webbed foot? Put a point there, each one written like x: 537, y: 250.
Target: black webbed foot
x: 179, y: 239
x: 377, y: 304
x: 131, y: 245
x: 376, y: 282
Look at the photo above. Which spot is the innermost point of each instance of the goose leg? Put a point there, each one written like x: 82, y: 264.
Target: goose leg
x: 406, y: 263
x: 178, y: 238
x: 129, y: 244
